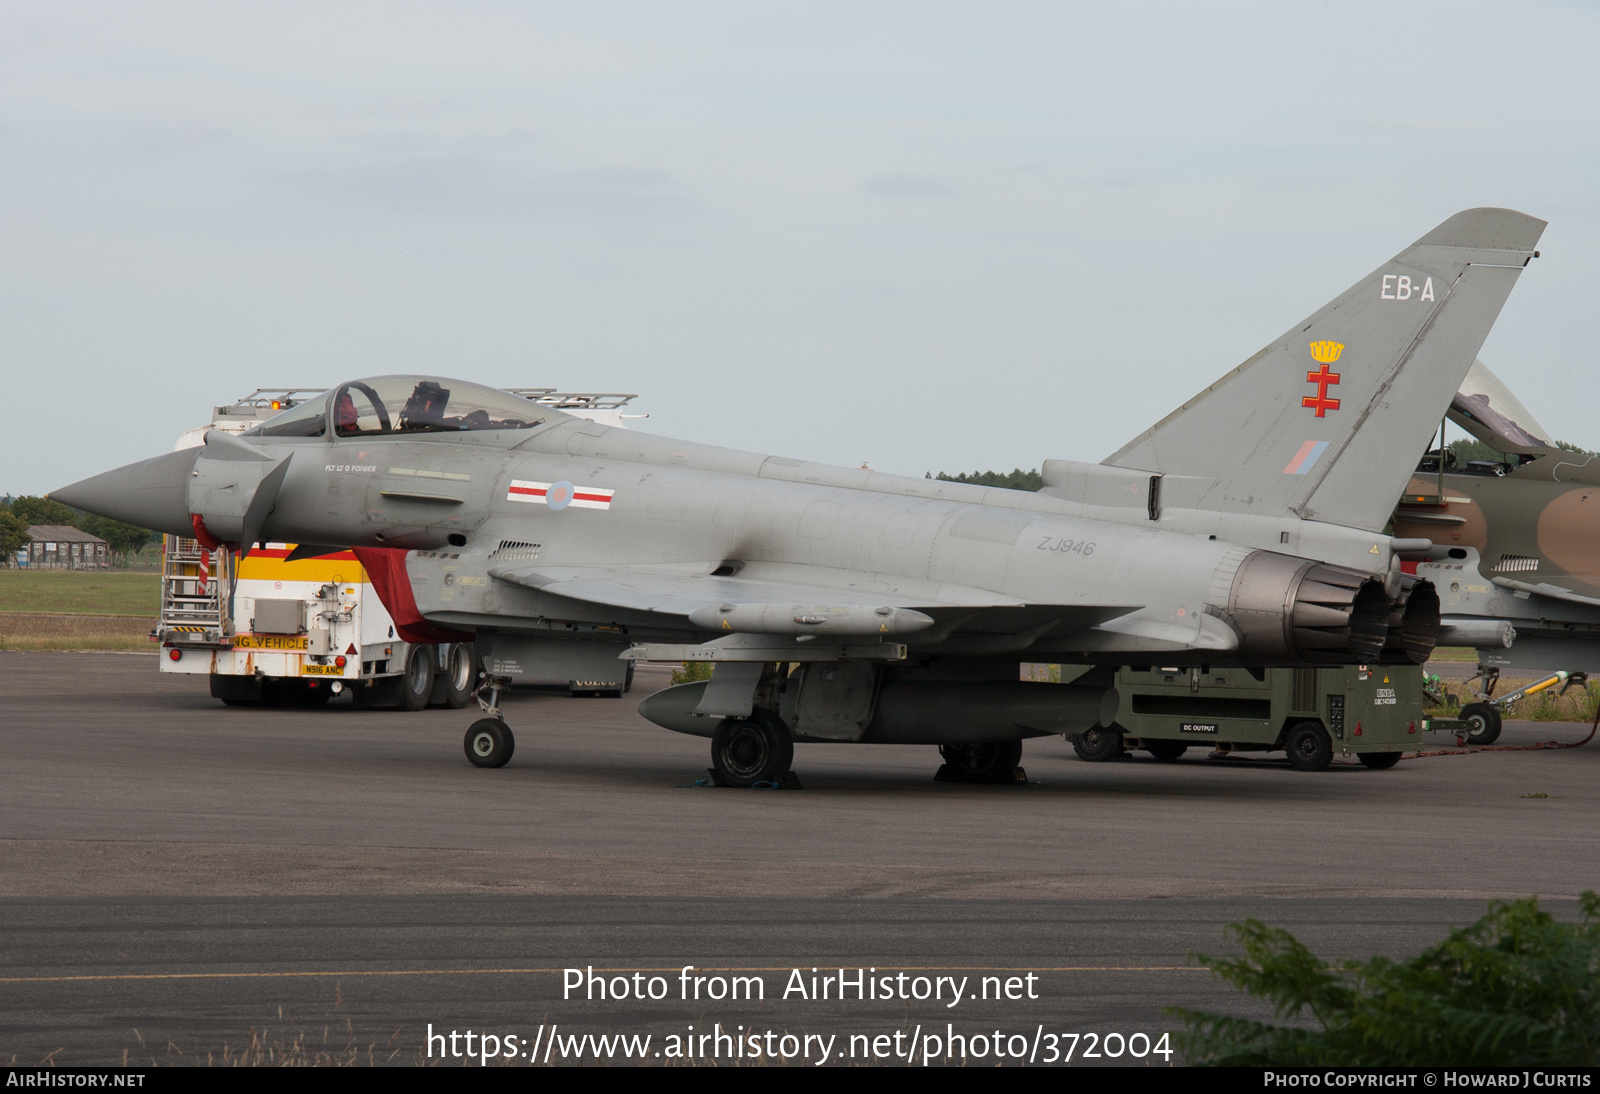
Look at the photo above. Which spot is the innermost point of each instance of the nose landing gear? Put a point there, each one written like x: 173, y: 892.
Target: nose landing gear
x: 489, y: 742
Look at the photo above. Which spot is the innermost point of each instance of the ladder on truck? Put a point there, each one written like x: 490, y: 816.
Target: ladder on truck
x: 194, y: 592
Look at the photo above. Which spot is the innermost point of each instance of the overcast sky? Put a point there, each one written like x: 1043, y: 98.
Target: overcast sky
x: 926, y: 237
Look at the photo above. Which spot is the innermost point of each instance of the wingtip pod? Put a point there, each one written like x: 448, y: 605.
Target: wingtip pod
x: 1487, y: 229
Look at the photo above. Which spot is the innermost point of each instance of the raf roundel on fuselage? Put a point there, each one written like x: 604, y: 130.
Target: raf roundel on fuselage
x: 394, y: 405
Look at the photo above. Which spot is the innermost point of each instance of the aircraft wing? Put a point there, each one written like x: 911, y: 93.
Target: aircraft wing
x: 798, y: 600
x: 1544, y: 588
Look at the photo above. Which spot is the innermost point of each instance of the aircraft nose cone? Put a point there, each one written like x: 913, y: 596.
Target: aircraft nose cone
x: 152, y: 493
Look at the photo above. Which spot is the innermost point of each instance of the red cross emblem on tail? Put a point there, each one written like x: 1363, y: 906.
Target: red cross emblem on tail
x: 1320, y: 401
x: 1326, y: 353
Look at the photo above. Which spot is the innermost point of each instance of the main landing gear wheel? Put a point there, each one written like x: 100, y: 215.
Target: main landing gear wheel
x: 1483, y: 723
x: 1099, y: 743
x: 489, y: 743
x: 747, y: 751
x: 1309, y: 746
x: 990, y: 762
x: 416, y: 683
x: 1165, y: 751
x: 1379, y: 761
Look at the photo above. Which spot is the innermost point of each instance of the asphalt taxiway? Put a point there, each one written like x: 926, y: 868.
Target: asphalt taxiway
x: 175, y: 874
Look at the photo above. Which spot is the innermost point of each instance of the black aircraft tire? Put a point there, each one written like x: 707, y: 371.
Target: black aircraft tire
x: 416, y: 683
x: 460, y: 674
x: 1484, y: 722
x: 1099, y: 743
x: 1165, y: 751
x: 1379, y: 761
x: 1309, y: 747
x: 489, y: 743
x: 989, y: 762
x: 627, y: 681
x: 748, y: 751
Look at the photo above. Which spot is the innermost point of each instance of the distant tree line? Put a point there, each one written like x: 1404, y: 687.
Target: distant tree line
x: 1467, y: 451
x: 1015, y: 479
x: 1464, y: 451
x: 16, y: 514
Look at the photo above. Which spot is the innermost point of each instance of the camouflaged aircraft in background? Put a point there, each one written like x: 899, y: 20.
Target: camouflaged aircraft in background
x: 1516, y: 555
x: 842, y: 604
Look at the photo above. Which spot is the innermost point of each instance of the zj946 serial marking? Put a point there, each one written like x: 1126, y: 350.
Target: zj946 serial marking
x: 1067, y: 546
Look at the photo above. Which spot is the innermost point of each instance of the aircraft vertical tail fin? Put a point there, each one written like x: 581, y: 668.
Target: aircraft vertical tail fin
x: 1328, y: 421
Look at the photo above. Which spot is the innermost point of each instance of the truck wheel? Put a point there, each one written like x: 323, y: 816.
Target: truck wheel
x: 1379, y: 761
x: 1309, y: 746
x: 489, y: 743
x: 236, y: 691
x: 460, y: 674
x: 1483, y: 723
x: 1099, y: 743
x: 990, y: 762
x: 1165, y: 751
x: 274, y: 693
x: 747, y: 751
x: 416, y: 685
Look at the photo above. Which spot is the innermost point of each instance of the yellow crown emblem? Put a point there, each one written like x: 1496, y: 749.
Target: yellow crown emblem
x: 1326, y: 352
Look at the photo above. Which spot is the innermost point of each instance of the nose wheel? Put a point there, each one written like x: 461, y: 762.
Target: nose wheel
x: 489, y: 742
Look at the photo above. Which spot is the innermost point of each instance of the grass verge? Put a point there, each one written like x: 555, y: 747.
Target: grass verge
x: 35, y: 631
x: 81, y: 592
x: 1577, y: 705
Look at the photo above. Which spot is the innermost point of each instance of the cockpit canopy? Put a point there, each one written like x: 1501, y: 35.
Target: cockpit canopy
x: 1485, y: 407
x: 390, y: 405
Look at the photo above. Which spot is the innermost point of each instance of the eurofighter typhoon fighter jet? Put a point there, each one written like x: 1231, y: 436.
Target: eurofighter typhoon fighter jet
x: 842, y: 604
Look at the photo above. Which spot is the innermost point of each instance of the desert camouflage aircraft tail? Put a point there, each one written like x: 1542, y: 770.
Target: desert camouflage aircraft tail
x: 1327, y: 421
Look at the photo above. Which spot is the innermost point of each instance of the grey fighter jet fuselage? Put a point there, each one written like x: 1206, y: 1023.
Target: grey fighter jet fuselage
x: 1242, y: 529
